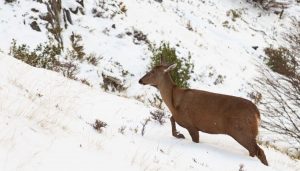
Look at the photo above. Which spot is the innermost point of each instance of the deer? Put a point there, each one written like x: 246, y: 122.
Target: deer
x: 213, y: 113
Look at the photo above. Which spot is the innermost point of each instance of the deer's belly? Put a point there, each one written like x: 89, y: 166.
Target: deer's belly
x: 183, y: 121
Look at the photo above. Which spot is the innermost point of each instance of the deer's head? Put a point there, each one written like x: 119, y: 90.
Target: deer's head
x: 157, y: 74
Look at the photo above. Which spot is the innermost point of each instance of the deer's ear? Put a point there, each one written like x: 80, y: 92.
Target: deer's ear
x: 170, y: 68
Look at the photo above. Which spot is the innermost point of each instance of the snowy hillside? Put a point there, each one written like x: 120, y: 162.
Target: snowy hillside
x: 46, y: 125
x: 47, y: 119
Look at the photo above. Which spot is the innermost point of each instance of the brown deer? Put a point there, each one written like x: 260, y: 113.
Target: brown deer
x: 213, y: 113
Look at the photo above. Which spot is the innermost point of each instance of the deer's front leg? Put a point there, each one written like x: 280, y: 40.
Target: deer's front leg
x: 174, y: 131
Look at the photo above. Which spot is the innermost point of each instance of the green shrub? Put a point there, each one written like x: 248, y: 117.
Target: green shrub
x: 46, y: 56
x: 182, y: 73
x: 43, y: 56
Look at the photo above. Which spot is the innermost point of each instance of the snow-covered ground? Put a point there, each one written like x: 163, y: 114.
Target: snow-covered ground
x: 46, y: 119
x: 45, y: 125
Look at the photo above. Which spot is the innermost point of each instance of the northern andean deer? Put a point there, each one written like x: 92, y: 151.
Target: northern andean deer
x: 213, y: 113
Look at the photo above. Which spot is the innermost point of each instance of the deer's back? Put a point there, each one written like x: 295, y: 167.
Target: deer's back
x: 212, y: 112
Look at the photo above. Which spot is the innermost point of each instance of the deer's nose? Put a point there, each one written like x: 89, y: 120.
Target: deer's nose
x: 141, y: 82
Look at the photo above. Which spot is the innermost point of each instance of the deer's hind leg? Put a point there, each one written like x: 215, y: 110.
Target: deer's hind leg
x: 194, y: 134
x: 251, y: 145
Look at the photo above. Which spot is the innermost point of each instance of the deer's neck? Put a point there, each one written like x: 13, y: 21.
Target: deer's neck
x: 166, y: 91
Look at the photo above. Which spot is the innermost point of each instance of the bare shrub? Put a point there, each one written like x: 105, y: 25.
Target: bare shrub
x: 271, y: 4
x: 189, y: 26
x: 242, y: 167
x: 77, y: 51
x: 293, y: 37
x: 114, y: 77
x: 281, y: 92
x: 159, y: 116
x: 69, y: 70
x: 122, y: 129
x: 111, y: 83
x: 92, y: 59
x: 108, y: 9
x: 220, y: 79
x: 280, y: 103
x: 84, y: 81
x: 255, y: 96
x: 156, y: 102
x: 99, y: 125
x: 146, y: 121
x: 10, y: 1
x: 139, y: 36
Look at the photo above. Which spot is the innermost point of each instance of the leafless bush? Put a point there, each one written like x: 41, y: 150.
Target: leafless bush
x: 77, y: 50
x: 69, y: 69
x: 146, y: 121
x: 99, y: 125
x: 122, y: 129
x: 111, y: 83
x: 293, y: 37
x: 242, y: 167
x: 156, y: 102
x: 189, y: 26
x: 92, y: 59
x: 114, y: 78
x: 271, y: 4
x: 139, y: 36
x: 84, y: 81
x: 10, y: 1
x: 159, y: 116
x: 281, y: 92
x: 220, y: 79
x: 255, y: 96
x: 108, y: 9
x: 280, y: 103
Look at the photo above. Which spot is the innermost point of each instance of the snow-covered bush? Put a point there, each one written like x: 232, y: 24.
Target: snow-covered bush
x: 77, y: 51
x: 271, y: 4
x: 45, y: 55
x: 99, y: 125
x: 182, y: 73
x: 108, y: 9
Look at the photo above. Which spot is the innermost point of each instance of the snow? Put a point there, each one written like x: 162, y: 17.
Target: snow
x: 45, y: 118
x: 45, y: 125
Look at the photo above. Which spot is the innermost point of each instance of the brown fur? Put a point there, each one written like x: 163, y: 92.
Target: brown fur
x: 208, y: 112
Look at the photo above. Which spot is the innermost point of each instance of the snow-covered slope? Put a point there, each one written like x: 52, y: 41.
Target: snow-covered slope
x: 46, y: 119
x: 46, y: 125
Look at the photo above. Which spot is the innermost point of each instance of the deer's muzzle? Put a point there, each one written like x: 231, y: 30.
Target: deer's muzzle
x: 141, y: 82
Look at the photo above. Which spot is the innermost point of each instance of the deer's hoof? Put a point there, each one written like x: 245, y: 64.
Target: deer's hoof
x: 179, y: 135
